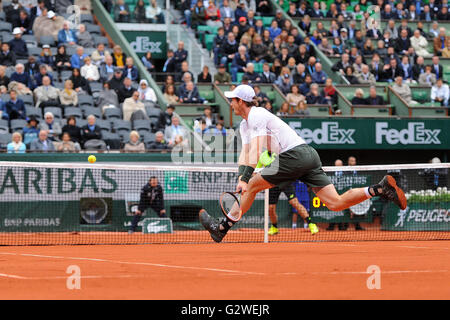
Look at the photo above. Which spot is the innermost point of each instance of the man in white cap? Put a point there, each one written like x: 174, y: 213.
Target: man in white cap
x: 290, y: 159
x: 17, y: 45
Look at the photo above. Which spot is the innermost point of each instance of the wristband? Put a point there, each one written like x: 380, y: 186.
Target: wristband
x: 241, y: 170
x: 247, y: 174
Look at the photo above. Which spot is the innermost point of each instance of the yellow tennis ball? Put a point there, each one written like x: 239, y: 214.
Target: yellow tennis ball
x: 92, y: 159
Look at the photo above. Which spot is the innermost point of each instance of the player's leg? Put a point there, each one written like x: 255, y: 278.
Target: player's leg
x: 134, y: 223
x: 274, y: 195
x: 301, y: 210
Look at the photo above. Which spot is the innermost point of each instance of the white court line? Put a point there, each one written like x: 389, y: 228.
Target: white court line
x: 384, y: 272
x: 414, y: 247
x: 137, y: 263
x: 4, y: 275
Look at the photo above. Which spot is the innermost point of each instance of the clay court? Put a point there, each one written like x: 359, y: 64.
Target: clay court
x: 323, y: 270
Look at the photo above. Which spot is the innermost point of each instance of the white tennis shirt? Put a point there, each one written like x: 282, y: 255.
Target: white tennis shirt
x: 263, y: 123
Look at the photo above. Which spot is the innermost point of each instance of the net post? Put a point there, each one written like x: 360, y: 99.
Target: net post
x: 266, y: 216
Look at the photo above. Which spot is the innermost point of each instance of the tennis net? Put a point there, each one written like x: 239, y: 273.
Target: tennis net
x: 68, y: 203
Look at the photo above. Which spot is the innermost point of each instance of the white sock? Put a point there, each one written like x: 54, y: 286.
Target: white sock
x: 366, y: 191
x: 294, y: 225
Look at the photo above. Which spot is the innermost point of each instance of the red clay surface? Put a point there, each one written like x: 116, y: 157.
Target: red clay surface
x: 409, y: 270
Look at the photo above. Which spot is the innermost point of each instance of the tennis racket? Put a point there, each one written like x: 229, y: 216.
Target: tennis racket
x: 230, y: 203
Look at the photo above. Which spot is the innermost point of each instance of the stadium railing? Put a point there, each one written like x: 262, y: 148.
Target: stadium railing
x: 69, y: 203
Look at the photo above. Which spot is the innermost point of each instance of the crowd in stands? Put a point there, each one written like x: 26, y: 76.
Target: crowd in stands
x: 367, y: 53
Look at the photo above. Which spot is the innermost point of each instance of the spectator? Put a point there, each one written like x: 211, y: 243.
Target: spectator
x: 23, y: 22
x: 314, y: 97
x: 319, y: 76
x: 260, y: 96
x: 43, y: 144
x: 174, y: 130
x: 67, y: 36
x: 329, y: 92
x: 181, y: 77
x: 62, y: 59
x: 80, y: 84
x: 126, y: 90
x: 7, y: 57
x: 169, y: 64
x: 213, y: 15
x: 15, y: 107
x: 218, y: 130
x: 68, y: 97
x: 374, y: 99
x: 204, y: 76
x: 190, y: 94
x: 284, y: 110
x: 46, y: 95
x: 198, y: 16
x: 229, y: 49
x: 208, y: 117
x: 305, y: 86
x: 392, y: 71
x: 134, y: 145
x: 159, y: 143
x: 239, y: 63
x: 418, y: 68
x: 84, y: 38
x: 77, y: 60
x: 267, y: 76
x: 440, y: 93
x: 43, y: 72
x: 226, y: 11
x: 31, y: 131
x: 403, y: 90
x: 73, y: 130
x: 365, y: 77
x: 116, y: 81
x: 446, y: 50
x: 119, y: 57
x: 180, y: 56
x: 51, y: 126
x: 66, y: 144
x: 274, y: 30
x: 148, y: 61
x: 145, y: 92
x: 359, y: 99
x: 4, y: 79
x: 420, y: 44
x: 99, y: 55
x: 89, y: 71
x: 407, y: 70
x: 139, y: 12
x: 165, y: 118
x: 427, y: 78
x: 439, y: 42
x: 170, y: 96
x: 341, y: 65
x: 301, y: 109
x: 351, y: 78
x: 121, y: 12
x: 107, y: 98
x: 48, y: 24
x: 91, y: 131
x: 251, y: 75
x: 131, y: 105
x: 402, y: 43
x: 107, y: 69
x: 284, y: 83
x: 201, y: 127
x: 16, y: 145
x: 17, y: 45
x: 131, y: 70
x: 437, y: 69
x: 294, y: 96
x: 222, y: 76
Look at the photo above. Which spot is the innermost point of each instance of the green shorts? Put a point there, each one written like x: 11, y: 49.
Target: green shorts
x: 299, y: 163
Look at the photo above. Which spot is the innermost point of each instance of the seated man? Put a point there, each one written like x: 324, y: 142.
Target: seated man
x: 7, y: 57
x: 15, y: 108
x: 403, y: 90
x: 77, y: 60
x: 427, y: 78
x: 91, y: 131
x: 46, y: 95
x: 126, y: 90
x: 17, y: 45
x: 131, y: 71
x: 440, y: 93
x: 131, y: 105
x: 174, y: 130
x: 121, y: 12
x: 374, y: 99
x: 43, y: 72
x: 314, y: 97
x: 365, y: 77
x: 42, y: 144
x: 84, y: 38
x: 52, y: 126
x: 66, y: 35
x: 159, y: 143
x: 190, y: 94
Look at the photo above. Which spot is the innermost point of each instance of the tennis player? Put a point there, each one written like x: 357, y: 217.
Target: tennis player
x: 289, y: 191
x: 261, y: 129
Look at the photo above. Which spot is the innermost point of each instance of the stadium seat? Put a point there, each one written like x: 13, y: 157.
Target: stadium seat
x: 148, y: 137
x: 209, y: 41
x: 32, y: 111
x: 103, y: 124
x: 207, y: 95
x: 18, y: 124
x: 112, y: 140
x: 93, y: 29
x: 47, y: 40
x: 86, y: 18
x: 87, y: 110
x: 85, y: 100
x: 30, y: 40
x: 57, y: 113
x: 153, y: 112
x: 27, y: 99
x: 5, y: 97
x: 65, y: 74
x: 2, y: 16
x: 5, y: 139
x: 141, y: 126
x: 7, y: 37
x: 4, y: 128
x: 100, y: 39
x: 6, y: 26
x: 271, y: 95
x: 120, y: 124
x: 113, y: 113
x: 73, y: 111
x: 96, y: 86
